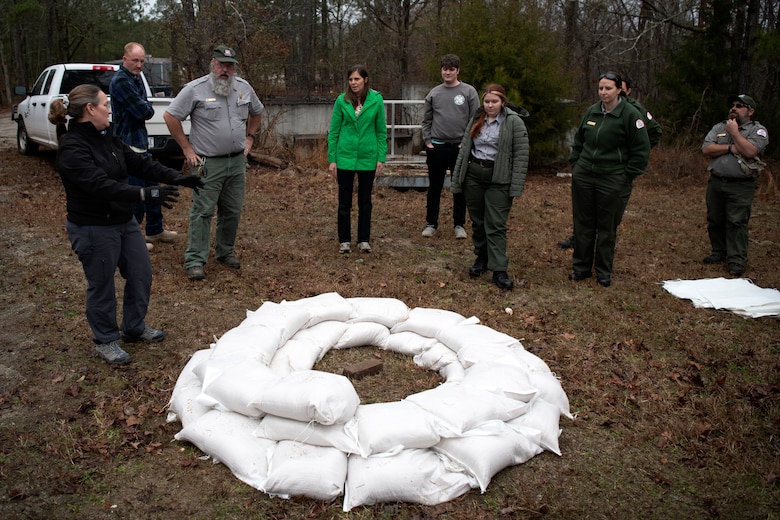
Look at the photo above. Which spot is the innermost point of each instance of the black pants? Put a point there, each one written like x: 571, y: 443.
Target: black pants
x: 439, y: 159
x: 346, y: 180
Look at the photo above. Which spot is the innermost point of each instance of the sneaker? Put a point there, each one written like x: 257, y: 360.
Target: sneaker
x: 196, y: 272
x: 344, y: 248
x: 364, y: 247
x: 429, y: 230
x: 164, y: 236
x: 230, y: 261
x: 149, y: 246
x: 149, y: 334
x: 112, y: 353
x: 460, y: 232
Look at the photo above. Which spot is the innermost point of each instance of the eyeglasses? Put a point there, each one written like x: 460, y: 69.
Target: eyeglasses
x: 611, y: 76
x: 739, y: 105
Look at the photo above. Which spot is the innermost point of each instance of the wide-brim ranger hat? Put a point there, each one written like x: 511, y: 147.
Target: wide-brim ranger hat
x: 224, y: 54
x: 749, y: 101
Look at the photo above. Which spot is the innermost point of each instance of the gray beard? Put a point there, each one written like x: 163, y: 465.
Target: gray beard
x: 222, y: 87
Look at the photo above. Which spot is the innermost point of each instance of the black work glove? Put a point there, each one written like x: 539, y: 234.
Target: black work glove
x: 189, y: 181
x: 165, y: 195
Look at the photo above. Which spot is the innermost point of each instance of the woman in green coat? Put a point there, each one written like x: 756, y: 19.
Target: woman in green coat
x: 490, y: 172
x: 357, y: 144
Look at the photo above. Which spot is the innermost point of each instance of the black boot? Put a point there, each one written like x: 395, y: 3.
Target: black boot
x: 479, y: 267
x: 501, y: 279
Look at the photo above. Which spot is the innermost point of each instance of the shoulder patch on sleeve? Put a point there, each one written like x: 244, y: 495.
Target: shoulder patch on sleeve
x: 640, y: 124
x: 762, y: 132
x: 649, y: 116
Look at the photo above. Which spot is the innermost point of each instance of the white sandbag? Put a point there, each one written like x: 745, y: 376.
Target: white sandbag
x: 310, y: 395
x: 391, y: 427
x: 182, y: 406
x: 428, y: 322
x: 512, y: 381
x: 531, y: 362
x: 227, y: 438
x: 545, y: 418
x: 323, y: 307
x: 474, y: 335
x: 325, y: 334
x: 408, y: 343
x: 550, y: 390
x: 460, y: 407
x: 289, y: 319
x: 297, y: 469
x: 231, y: 384
x: 387, y: 311
x: 364, y: 334
x: 342, y: 436
x: 249, y: 341
x: 485, y: 455
x: 418, y: 476
x: 452, y: 372
x: 436, y: 357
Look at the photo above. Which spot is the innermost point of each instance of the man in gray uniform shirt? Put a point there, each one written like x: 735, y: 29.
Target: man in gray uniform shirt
x: 225, y: 113
x: 448, y: 110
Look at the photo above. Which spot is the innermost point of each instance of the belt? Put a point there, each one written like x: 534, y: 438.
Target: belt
x: 442, y: 143
x: 734, y: 179
x: 228, y: 156
x: 481, y: 162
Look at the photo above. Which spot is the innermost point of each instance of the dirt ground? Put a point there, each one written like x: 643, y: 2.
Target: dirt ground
x: 677, y: 408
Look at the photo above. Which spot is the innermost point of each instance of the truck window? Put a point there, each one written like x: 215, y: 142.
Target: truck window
x: 38, y: 87
x: 47, y: 84
x: 74, y: 78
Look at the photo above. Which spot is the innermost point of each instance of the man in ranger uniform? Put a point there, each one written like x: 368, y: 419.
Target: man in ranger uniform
x: 733, y: 147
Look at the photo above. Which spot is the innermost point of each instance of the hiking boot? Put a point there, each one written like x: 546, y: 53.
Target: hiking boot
x: 230, y: 261
x: 429, y: 230
x: 196, y: 272
x: 149, y: 334
x: 112, y: 353
x: 164, y: 236
x: 479, y: 267
x: 714, y: 258
x: 604, y: 281
x: 364, y: 247
x: 501, y: 279
x: 344, y: 248
x: 460, y: 232
x: 567, y: 244
x: 577, y: 276
x: 736, y: 269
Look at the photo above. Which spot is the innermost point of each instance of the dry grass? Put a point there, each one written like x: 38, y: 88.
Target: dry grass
x: 678, y: 408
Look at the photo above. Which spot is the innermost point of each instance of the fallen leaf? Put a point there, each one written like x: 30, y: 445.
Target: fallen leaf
x: 568, y: 335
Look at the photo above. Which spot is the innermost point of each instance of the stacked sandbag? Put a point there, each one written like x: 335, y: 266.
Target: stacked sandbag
x: 253, y: 402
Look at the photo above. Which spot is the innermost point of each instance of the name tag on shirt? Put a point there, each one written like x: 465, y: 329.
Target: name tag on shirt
x: 591, y: 123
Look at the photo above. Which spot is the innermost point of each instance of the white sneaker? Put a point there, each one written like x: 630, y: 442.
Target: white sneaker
x: 460, y: 232
x: 428, y: 231
x: 344, y: 248
x: 364, y: 247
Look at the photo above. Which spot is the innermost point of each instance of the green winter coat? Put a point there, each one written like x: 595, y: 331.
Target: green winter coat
x: 511, y: 162
x: 611, y: 144
x: 358, y: 143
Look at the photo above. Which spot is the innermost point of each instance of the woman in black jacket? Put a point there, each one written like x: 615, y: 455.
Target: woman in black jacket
x: 103, y: 232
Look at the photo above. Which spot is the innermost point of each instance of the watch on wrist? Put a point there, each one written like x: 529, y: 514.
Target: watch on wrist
x: 251, y: 136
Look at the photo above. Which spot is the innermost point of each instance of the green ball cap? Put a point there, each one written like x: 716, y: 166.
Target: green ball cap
x: 749, y: 101
x: 225, y: 54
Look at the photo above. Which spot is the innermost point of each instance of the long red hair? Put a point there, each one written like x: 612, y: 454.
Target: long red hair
x: 496, y: 90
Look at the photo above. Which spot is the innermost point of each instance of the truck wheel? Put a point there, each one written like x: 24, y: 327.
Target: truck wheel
x: 23, y: 143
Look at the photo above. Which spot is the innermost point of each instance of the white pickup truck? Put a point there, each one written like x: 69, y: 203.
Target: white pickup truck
x: 32, y: 114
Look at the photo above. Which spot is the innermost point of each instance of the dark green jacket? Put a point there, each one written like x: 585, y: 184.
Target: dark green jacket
x: 611, y: 144
x: 358, y: 143
x: 512, y: 160
x: 653, y: 127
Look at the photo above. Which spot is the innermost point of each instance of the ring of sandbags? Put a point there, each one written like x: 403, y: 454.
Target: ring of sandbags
x: 253, y: 402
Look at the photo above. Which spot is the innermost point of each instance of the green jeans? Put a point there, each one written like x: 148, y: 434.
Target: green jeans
x: 488, y: 204
x: 225, y: 181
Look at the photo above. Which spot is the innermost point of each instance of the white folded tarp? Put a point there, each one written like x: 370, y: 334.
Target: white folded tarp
x: 737, y: 295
